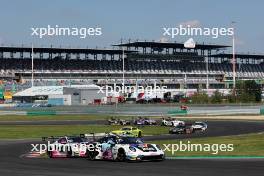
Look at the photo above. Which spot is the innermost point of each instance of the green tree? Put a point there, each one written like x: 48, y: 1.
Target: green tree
x: 217, y: 97
x: 200, y: 98
x: 248, y: 91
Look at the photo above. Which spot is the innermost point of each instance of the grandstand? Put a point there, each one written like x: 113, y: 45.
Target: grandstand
x: 168, y: 64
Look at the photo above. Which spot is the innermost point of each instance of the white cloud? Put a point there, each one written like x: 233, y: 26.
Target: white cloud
x: 191, y: 23
x: 190, y: 43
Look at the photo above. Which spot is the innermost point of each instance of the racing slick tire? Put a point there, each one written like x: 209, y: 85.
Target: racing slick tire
x: 50, y: 154
x: 147, y: 123
x: 91, y: 155
x: 139, y: 134
x: 69, y: 153
x: 121, y: 155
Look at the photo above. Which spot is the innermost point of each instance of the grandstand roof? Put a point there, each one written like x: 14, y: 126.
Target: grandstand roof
x: 171, y: 45
x: 49, y: 90
x: 62, y: 50
x: 241, y: 56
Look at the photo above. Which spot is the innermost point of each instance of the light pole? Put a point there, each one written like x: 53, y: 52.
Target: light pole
x: 234, y: 57
x: 207, y: 72
x: 123, y: 57
x: 32, y: 66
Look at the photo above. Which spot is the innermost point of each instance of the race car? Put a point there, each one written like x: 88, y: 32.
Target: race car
x: 144, y: 121
x: 181, y: 129
x: 128, y: 131
x: 126, y: 149
x: 66, y: 146
x: 171, y: 122
x: 114, y: 121
x: 184, y: 107
x: 199, y: 126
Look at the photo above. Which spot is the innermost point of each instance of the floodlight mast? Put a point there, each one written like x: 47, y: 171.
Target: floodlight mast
x: 32, y: 66
x: 207, y: 72
x: 234, y: 58
x: 123, y: 58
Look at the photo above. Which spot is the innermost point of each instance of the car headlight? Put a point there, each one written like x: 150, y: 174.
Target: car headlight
x: 133, y: 149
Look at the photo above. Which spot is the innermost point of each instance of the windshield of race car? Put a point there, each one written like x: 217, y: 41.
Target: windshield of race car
x: 126, y: 129
x: 200, y: 123
x: 131, y: 140
x: 76, y: 139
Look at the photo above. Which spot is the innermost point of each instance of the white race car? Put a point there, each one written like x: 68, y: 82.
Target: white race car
x: 171, y: 122
x: 126, y: 149
x: 199, y: 126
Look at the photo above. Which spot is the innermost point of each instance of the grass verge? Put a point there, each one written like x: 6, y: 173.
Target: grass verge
x: 53, y: 117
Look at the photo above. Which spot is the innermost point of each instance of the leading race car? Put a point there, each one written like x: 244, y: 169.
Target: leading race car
x: 199, y: 126
x: 66, y: 146
x: 171, y: 122
x: 128, y: 131
x: 126, y: 149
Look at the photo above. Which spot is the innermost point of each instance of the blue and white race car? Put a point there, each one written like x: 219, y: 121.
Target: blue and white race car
x: 126, y: 149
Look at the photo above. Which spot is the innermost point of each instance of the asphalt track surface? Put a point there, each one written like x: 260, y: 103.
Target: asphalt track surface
x: 12, y: 161
x: 215, y: 128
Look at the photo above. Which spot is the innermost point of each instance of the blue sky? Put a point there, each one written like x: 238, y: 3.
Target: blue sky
x: 137, y: 19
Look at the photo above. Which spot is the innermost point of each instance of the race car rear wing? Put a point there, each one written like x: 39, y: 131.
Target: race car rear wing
x: 54, y: 138
x: 51, y: 138
x: 93, y: 136
x: 96, y: 136
x: 90, y: 136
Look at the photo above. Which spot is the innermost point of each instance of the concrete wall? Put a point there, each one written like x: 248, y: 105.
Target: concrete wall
x: 59, y: 99
x: 83, y: 96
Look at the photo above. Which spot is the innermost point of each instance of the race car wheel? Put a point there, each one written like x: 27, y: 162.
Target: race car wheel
x: 69, y: 153
x: 91, y: 155
x: 50, y: 154
x: 121, y: 155
x: 139, y: 134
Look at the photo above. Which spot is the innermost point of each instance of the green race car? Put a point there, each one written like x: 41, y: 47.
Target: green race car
x: 128, y: 131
